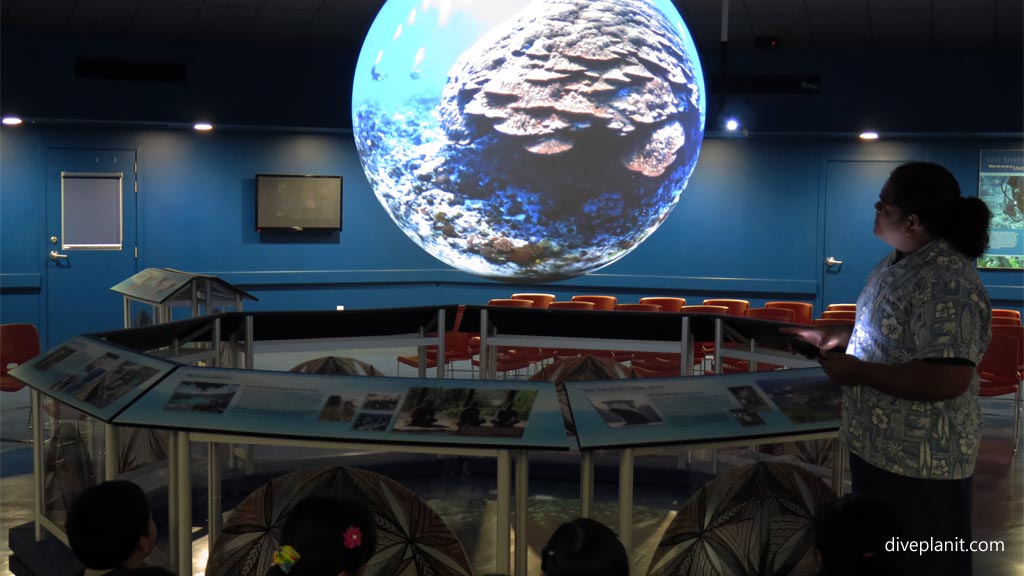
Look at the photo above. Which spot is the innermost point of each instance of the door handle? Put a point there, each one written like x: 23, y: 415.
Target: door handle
x: 54, y: 255
x: 830, y: 261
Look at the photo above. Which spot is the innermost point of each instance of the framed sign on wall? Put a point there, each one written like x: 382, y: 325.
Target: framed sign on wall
x: 1001, y: 187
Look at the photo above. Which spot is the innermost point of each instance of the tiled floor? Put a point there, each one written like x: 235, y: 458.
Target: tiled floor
x: 469, y: 508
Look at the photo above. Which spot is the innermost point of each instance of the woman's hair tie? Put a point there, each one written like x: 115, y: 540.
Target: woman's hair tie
x: 353, y: 537
x: 285, y: 557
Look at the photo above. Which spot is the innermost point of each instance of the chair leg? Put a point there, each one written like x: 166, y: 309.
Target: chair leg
x: 1016, y: 418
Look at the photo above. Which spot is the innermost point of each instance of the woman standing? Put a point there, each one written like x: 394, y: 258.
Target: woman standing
x: 910, y: 414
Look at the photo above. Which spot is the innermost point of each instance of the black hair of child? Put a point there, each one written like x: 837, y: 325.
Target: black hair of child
x: 317, y: 528
x: 105, y: 522
x: 584, y: 547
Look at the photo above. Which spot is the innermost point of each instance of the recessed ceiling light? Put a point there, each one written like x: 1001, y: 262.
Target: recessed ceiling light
x: 11, y: 120
x: 868, y: 136
x: 203, y: 126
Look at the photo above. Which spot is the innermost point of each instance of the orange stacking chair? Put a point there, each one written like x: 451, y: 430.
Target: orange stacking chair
x: 600, y: 302
x: 1018, y: 333
x: 1005, y: 313
x: 1005, y: 321
x: 848, y: 307
x: 668, y: 304
x: 705, y: 309
x: 539, y: 300
x: 841, y: 314
x: 474, y: 341
x: 736, y: 307
x: 571, y: 305
x: 645, y: 307
x: 653, y: 370
x: 625, y: 356
x: 774, y: 314
x: 832, y: 322
x: 999, y: 374
x: 803, y: 312
x: 510, y: 302
x: 512, y: 358
x: 19, y: 343
x: 702, y: 349
x: 456, y: 348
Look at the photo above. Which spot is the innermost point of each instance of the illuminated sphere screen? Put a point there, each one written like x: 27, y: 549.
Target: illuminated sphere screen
x: 528, y: 140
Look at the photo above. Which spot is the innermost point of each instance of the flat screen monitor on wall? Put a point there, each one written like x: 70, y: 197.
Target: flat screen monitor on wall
x: 287, y: 202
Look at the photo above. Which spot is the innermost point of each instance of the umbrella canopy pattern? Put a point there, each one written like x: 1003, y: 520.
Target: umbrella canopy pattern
x: 752, y: 520
x: 337, y: 365
x: 580, y: 369
x: 412, y: 540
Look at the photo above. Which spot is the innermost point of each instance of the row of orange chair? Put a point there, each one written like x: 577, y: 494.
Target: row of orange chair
x: 1001, y: 370
x: 801, y: 312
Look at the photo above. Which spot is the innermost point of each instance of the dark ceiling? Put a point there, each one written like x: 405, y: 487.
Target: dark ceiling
x: 813, y: 24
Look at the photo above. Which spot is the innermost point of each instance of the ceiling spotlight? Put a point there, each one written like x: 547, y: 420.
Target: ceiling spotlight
x: 203, y: 126
x: 732, y: 124
x: 868, y: 136
x: 11, y: 120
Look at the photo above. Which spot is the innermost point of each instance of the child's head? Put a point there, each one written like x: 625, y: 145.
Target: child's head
x: 325, y: 536
x: 850, y: 535
x: 109, y: 526
x: 584, y: 547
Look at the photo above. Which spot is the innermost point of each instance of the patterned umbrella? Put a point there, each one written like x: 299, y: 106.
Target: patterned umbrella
x: 337, y: 365
x: 411, y: 538
x: 580, y: 369
x: 756, y: 519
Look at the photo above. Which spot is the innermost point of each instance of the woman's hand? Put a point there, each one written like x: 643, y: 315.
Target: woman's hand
x: 842, y: 369
x: 824, y: 337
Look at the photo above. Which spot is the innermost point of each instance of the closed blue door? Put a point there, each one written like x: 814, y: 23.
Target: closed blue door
x: 91, y: 239
x: 851, y: 190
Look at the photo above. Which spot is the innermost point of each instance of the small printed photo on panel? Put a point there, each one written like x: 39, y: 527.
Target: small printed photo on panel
x: 749, y: 398
x: 111, y: 386
x: 197, y: 396
x: 430, y: 410
x: 747, y: 418
x: 626, y: 411
x: 80, y: 382
x: 371, y: 422
x: 495, y: 413
x: 338, y: 408
x: 53, y: 358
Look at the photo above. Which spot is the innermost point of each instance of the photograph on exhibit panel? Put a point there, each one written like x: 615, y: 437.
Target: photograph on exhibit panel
x: 198, y: 396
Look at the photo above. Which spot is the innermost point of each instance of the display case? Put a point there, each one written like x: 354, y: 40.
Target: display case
x: 154, y: 295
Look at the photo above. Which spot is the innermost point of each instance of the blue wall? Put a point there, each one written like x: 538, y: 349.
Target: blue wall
x: 749, y: 224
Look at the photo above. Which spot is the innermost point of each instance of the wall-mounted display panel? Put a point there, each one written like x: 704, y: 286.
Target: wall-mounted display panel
x: 1001, y: 187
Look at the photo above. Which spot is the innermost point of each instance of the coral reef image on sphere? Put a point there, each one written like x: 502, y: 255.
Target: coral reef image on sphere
x: 528, y: 140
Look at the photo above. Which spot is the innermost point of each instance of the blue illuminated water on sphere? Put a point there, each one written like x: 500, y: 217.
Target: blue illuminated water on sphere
x: 528, y: 140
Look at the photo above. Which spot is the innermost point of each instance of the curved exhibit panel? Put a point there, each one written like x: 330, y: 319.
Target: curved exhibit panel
x: 401, y: 411
x: 528, y: 140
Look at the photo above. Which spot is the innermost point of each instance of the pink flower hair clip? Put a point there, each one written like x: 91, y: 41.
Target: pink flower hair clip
x: 353, y: 537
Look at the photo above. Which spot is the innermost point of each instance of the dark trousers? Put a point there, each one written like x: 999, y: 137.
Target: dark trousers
x: 930, y: 510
